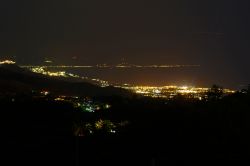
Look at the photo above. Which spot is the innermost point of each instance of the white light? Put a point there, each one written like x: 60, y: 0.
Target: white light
x: 184, y: 87
x: 157, y: 91
x: 112, y: 131
x: 7, y: 62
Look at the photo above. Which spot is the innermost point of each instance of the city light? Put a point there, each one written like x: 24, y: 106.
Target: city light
x: 45, y: 93
x: 7, y: 62
x: 169, y: 91
x: 43, y: 70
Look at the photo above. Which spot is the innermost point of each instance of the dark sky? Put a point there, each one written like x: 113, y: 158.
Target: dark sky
x: 212, y: 33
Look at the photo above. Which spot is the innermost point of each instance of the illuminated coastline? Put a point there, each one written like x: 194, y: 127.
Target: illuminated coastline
x: 149, y: 91
x: 44, y: 71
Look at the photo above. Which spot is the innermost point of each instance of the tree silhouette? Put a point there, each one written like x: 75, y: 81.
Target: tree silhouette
x: 215, y: 92
x: 248, y: 89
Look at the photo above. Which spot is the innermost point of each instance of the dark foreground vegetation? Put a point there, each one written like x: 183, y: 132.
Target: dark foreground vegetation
x: 154, y: 132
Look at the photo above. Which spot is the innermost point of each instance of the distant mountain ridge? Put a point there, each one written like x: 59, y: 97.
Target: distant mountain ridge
x: 15, y: 79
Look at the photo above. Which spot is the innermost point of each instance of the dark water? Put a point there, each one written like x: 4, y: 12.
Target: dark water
x: 155, y: 77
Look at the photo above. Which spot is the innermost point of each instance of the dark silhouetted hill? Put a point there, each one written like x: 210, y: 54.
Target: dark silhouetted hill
x: 15, y: 79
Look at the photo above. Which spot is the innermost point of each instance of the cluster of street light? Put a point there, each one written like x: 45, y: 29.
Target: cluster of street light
x: 171, y: 91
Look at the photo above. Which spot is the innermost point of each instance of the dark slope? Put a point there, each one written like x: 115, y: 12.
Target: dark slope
x: 15, y: 79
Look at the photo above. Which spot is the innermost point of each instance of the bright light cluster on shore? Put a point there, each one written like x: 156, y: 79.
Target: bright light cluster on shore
x: 171, y: 91
x: 9, y: 62
x: 41, y: 70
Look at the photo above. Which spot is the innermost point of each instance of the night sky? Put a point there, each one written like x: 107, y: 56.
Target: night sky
x: 214, y: 34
